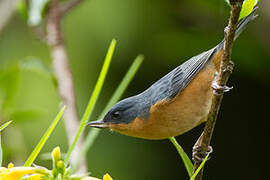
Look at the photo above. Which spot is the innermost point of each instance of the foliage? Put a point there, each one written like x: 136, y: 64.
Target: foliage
x: 59, y: 168
x: 247, y: 7
x: 187, y: 162
x: 33, y: 13
x: 2, y: 127
x: 58, y: 172
x: 44, y: 138
x: 92, y: 135
x: 93, y: 98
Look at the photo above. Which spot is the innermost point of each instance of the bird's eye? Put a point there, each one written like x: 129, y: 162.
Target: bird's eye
x: 115, y: 115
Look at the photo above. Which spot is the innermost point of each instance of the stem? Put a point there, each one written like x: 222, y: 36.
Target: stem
x: 64, y: 76
x: 7, y: 8
x: 188, y: 164
x: 224, y: 73
x: 68, y: 6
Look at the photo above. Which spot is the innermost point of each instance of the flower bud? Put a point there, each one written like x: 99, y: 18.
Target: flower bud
x: 56, y: 154
x: 107, y: 177
x: 60, y: 164
x: 10, y: 165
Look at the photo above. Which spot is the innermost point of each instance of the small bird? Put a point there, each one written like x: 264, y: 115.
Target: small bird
x: 173, y: 105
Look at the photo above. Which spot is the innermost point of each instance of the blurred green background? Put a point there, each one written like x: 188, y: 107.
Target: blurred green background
x: 167, y: 32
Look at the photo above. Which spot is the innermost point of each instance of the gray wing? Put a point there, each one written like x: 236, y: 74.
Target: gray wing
x: 175, y: 81
x: 183, y: 74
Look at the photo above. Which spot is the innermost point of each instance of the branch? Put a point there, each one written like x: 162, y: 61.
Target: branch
x: 220, y: 81
x: 6, y: 11
x: 68, y: 6
x: 64, y: 77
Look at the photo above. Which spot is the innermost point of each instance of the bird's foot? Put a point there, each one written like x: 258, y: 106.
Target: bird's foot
x: 198, y: 155
x: 220, y: 89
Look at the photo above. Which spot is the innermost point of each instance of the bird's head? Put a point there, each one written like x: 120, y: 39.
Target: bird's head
x: 122, y: 113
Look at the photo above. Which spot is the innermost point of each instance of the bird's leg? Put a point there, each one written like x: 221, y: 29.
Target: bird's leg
x: 220, y: 89
x: 197, y: 154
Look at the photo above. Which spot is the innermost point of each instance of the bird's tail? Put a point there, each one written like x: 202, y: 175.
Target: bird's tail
x: 244, y: 22
x: 242, y: 25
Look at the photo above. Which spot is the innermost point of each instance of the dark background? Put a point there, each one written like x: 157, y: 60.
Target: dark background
x: 167, y: 33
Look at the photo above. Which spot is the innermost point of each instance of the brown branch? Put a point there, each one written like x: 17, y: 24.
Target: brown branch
x: 220, y: 81
x: 6, y: 11
x: 64, y: 77
x: 68, y: 6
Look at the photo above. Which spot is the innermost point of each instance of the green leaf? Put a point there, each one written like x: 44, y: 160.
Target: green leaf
x: 36, y: 8
x: 227, y: 1
x: 247, y: 8
x: 187, y: 162
x: 246, y: 1
x: 94, y: 97
x: 1, y: 129
x: 22, y: 9
x: 26, y: 115
x: 34, y: 65
x: 92, y: 135
x: 124, y: 83
x: 44, y: 138
x: 200, y: 167
x: 9, y: 85
x: 4, y: 126
x: 1, y: 152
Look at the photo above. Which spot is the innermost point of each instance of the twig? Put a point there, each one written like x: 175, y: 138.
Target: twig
x: 6, y: 11
x: 220, y: 81
x: 68, y: 6
x: 64, y: 77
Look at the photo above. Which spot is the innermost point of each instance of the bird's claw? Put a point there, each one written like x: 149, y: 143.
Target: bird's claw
x: 220, y: 89
x: 198, y: 155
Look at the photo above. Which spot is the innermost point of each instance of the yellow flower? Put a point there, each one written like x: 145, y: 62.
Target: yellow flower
x: 14, y: 173
x: 107, y: 177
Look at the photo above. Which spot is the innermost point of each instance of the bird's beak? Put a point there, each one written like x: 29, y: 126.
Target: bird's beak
x: 98, y: 124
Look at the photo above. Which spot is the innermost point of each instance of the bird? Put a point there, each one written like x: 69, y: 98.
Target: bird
x: 174, y: 104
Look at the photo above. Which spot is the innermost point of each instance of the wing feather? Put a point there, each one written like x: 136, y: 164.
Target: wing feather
x: 175, y: 81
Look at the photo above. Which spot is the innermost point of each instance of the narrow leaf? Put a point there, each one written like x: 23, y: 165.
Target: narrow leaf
x: 247, y: 8
x: 254, y: 4
x: 200, y: 167
x: 4, y: 126
x: 22, y: 9
x: 94, y: 97
x: 1, y: 129
x: 92, y: 135
x: 1, y: 151
x: 124, y: 83
x: 43, y: 140
x: 187, y: 162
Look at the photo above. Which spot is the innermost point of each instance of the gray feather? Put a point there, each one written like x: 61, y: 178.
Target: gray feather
x: 176, y: 80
